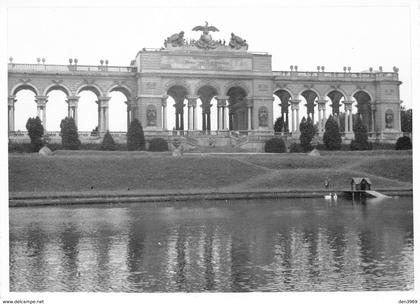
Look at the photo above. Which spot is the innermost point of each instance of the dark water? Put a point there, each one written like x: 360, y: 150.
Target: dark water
x: 285, y: 245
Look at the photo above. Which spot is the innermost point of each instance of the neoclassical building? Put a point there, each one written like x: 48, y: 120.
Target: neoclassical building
x: 200, y: 73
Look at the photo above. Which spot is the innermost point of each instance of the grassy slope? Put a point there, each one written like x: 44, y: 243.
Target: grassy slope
x: 79, y: 171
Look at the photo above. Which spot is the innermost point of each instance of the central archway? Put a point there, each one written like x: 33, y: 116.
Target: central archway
x: 208, y: 107
x: 238, y: 114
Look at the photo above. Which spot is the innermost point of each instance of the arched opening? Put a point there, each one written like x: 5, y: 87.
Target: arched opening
x: 208, y: 108
x: 281, y: 109
x: 88, y: 111
x: 334, y: 101
x: 178, y: 94
x: 117, y: 108
x: 24, y: 107
x: 57, y: 107
x: 364, y: 110
x: 311, y: 98
x: 238, y: 111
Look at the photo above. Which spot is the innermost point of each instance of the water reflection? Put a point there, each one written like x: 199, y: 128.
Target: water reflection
x: 292, y: 245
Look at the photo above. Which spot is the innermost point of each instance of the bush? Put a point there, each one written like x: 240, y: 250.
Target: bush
x: 295, y: 148
x: 307, y: 133
x: 403, y: 143
x: 108, y: 143
x: 332, y: 138
x: 275, y: 145
x: 135, y: 136
x: 158, y: 145
x: 360, y: 141
x: 35, y: 131
x: 69, y: 136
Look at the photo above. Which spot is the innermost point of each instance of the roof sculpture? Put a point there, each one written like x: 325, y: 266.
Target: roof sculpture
x: 205, y: 42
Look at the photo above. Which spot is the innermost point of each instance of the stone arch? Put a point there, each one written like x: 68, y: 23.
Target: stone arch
x: 177, y: 82
x: 285, y: 95
x: 207, y: 83
x: 292, y: 95
x: 57, y: 86
x: 310, y: 89
x: 121, y: 88
x: 364, y: 91
x: 24, y: 86
x: 90, y: 87
x: 328, y: 91
x: 364, y: 107
x: 236, y: 83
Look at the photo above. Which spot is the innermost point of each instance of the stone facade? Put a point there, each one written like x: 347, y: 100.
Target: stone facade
x: 242, y: 82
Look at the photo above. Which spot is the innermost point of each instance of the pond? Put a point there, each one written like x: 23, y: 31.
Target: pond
x: 224, y: 246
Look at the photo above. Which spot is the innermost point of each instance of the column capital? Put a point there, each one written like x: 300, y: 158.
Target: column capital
x: 249, y: 103
x: 164, y: 102
x: 221, y: 102
x: 41, y: 100
x: 347, y: 102
x: 103, y: 101
x: 295, y: 101
x: 373, y: 107
x: 322, y: 101
x: 192, y: 102
x: 222, y: 97
x: 11, y: 100
x: 192, y: 97
x: 72, y: 100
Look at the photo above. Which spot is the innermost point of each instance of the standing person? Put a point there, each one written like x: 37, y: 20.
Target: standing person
x: 327, y: 182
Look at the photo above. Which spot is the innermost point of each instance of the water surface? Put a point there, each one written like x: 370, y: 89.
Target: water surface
x: 261, y: 245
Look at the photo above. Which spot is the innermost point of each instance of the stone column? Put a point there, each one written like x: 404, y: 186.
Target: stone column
x: 72, y: 102
x: 249, y: 105
x: 195, y: 115
x: 41, y: 103
x: 222, y: 103
x: 103, y: 124
x: 373, y: 110
x: 295, y: 116
x: 11, y: 106
x: 164, y: 114
x: 321, y: 115
x: 192, y: 103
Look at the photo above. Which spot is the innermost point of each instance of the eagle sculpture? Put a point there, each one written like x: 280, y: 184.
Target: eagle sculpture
x: 206, y: 28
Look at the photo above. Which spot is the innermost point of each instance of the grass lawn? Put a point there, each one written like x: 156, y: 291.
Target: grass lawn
x: 119, y: 171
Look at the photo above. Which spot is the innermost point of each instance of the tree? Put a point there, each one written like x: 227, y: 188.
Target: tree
x: 135, y: 136
x: 36, y: 132
x: 279, y: 125
x: 69, y: 136
x: 108, y: 143
x: 332, y: 138
x: 307, y: 133
x: 406, y: 120
x: 360, y: 141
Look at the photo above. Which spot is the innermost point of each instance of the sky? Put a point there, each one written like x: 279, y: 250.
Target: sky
x: 306, y: 36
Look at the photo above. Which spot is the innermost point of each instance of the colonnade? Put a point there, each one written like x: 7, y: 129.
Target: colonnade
x: 222, y: 114
x: 72, y: 111
x: 348, y: 122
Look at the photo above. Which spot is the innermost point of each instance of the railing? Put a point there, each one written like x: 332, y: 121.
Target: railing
x: 69, y: 68
x: 336, y: 75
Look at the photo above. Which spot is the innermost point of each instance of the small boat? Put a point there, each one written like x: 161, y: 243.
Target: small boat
x: 328, y: 197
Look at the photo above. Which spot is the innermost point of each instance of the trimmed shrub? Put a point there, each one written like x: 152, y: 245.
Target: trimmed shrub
x: 295, y: 148
x: 307, y: 133
x: 158, y: 145
x: 403, y: 143
x: 108, y: 143
x: 35, y: 131
x: 332, y: 138
x: 69, y: 136
x: 360, y: 141
x: 135, y: 136
x: 406, y: 120
x: 275, y: 145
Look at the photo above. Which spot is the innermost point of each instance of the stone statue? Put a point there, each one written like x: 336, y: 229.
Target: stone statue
x: 151, y: 115
x: 237, y: 42
x: 389, y: 120
x: 175, y: 40
x: 263, y: 116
